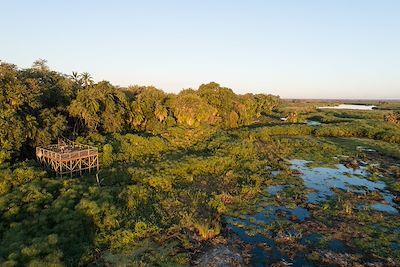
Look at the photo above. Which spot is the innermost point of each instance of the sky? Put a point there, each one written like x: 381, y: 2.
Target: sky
x: 291, y: 48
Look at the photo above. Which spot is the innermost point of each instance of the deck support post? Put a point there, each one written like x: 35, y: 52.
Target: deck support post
x: 68, y: 157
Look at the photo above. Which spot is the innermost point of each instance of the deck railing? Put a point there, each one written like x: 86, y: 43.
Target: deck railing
x: 53, y: 151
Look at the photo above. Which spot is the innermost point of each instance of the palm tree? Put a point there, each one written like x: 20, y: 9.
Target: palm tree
x: 160, y: 112
x: 86, y: 79
x: 135, y: 115
x: 76, y: 77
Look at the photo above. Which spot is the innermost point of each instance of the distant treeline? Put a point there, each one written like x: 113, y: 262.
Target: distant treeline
x: 377, y: 130
x: 37, y: 105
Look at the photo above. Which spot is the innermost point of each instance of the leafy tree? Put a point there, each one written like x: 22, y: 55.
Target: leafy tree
x: 192, y: 110
x: 40, y: 65
x: 148, y: 110
x: 221, y: 98
x: 101, y: 105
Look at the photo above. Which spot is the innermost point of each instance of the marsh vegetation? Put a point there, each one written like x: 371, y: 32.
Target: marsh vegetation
x: 203, y: 172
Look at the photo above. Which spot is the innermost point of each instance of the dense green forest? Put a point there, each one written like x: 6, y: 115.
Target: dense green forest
x: 172, y: 166
x: 38, y: 105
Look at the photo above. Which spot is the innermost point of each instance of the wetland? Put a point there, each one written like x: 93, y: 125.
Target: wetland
x: 205, y: 177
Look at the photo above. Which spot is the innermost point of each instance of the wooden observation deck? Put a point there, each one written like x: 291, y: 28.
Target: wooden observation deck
x: 68, y: 157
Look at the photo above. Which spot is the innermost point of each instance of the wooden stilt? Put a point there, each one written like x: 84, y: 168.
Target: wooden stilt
x: 69, y: 157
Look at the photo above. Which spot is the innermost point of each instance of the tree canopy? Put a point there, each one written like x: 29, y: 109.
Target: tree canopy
x: 38, y: 104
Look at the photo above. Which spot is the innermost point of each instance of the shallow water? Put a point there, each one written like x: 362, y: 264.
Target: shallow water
x: 265, y: 250
x: 314, y: 123
x: 385, y: 208
x: 252, y: 228
x: 274, y: 189
x: 323, y: 180
x: 347, y: 106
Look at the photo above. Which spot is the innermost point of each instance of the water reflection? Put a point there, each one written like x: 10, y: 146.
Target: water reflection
x: 348, y: 106
x: 253, y: 228
x: 323, y: 180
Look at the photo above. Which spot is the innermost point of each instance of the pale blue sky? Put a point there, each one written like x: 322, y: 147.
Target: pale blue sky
x: 308, y: 49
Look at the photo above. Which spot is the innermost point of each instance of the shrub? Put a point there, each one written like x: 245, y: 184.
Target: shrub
x: 160, y: 184
x: 107, y: 156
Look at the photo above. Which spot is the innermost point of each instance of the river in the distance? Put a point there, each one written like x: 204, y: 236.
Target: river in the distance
x: 349, y: 106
